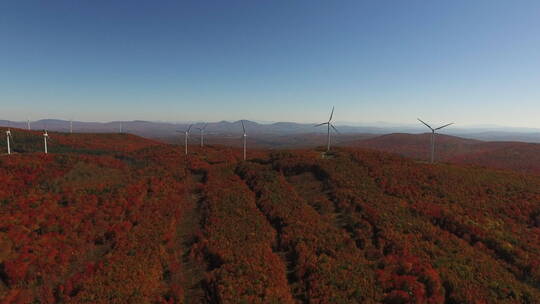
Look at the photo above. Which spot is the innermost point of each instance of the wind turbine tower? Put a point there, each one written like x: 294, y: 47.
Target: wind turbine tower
x: 432, y: 158
x: 71, y: 126
x: 186, y: 138
x: 245, y: 138
x: 28, y: 124
x: 329, y: 125
x: 201, y: 130
x: 8, y: 138
x: 45, y: 137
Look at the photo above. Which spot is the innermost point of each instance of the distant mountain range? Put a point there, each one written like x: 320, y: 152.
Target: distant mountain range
x: 166, y: 130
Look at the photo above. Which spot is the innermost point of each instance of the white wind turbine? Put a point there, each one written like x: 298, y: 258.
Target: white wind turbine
x: 432, y: 159
x: 28, y: 124
x: 201, y: 130
x: 45, y: 138
x: 329, y: 124
x: 71, y: 126
x: 186, y: 137
x: 245, y: 138
x: 8, y: 138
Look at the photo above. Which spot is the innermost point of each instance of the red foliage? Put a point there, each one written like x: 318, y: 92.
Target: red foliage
x: 237, y: 244
x: 284, y: 227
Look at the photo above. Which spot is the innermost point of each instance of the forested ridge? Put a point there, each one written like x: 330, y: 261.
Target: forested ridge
x: 116, y: 218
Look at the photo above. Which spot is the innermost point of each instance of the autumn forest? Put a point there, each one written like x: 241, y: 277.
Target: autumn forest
x: 116, y: 218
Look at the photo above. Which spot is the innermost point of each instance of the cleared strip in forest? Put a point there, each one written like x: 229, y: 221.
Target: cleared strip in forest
x: 313, y: 189
x: 358, y: 220
x: 289, y: 259
x: 496, y: 250
x: 361, y: 228
x: 327, y: 261
x: 185, y: 274
x: 237, y: 242
x: 357, y: 206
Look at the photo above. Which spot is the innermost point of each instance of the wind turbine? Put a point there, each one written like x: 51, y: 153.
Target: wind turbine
x: 202, y: 133
x: 245, y: 138
x: 186, y: 137
x: 45, y: 137
x: 433, y: 137
x: 28, y: 124
x: 329, y: 124
x: 71, y: 126
x: 8, y: 138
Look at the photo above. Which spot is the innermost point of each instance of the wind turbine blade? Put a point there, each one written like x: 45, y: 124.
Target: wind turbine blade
x: 243, y: 127
x: 331, y: 114
x: 444, y: 126
x: 331, y: 125
x: 321, y: 124
x: 189, y: 128
x: 425, y: 124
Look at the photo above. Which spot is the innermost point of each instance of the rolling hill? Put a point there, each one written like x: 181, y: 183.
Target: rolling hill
x: 121, y: 219
x: 24, y: 141
x: 523, y: 157
x: 268, y: 141
x: 418, y: 145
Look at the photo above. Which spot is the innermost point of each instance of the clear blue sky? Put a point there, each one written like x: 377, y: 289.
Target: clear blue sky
x: 472, y: 62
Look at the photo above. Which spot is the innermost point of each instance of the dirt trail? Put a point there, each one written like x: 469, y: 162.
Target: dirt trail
x: 319, y: 196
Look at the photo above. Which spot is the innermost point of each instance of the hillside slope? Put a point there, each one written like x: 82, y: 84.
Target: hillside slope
x: 522, y: 157
x: 149, y: 225
x: 24, y: 141
x: 519, y: 156
x: 417, y: 145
